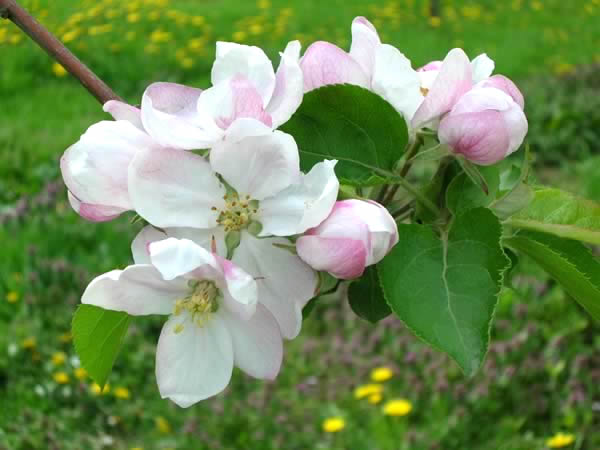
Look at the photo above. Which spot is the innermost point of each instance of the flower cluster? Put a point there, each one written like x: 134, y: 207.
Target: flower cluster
x: 237, y: 232
x: 475, y: 113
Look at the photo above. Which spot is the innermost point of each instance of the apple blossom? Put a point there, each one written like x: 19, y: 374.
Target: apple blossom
x: 251, y: 189
x: 245, y: 86
x: 485, y: 126
x: 356, y: 234
x: 95, y: 168
x: 216, y: 319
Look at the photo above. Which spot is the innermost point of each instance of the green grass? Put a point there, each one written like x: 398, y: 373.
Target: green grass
x: 541, y: 375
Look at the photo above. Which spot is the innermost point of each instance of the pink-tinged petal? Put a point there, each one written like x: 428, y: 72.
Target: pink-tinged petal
x: 170, y: 115
x: 172, y: 188
x: 517, y: 126
x: 140, y: 247
x: 243, y: 128
x: 482, y: 67
x: 396, y: 81
x: 505, y: 85
x: 432, y: 65
x: 123, y: 111
x: 289, y: 86
x: 138, y: 290
x: 257, y: 344
x: 239, y: 100
x: 303, y: 205
x: 248, y: 61
x: 343, y: 258
x: 178, y: 257
x: 203, y: 238
x: 95, y: 168
x: 258, y: 166
x: 240, y: 292
x: 481, y: 137
x: 453, y: 80
x: 365, y: 42
x: 193, y: 363
x: 285, y: 283
x: 94, y: 213
x: 324, y: 63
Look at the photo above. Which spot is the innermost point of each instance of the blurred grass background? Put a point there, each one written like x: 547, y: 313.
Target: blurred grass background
x: 543, y: 370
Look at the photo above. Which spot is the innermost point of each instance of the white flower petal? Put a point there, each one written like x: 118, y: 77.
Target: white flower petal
x: 285, y: 283
x: 177, y: 257
x: 95, y: 168
x: 303, y: 205
x: 123, y: 111
x: 172, y: 188
x: 259, y: 166
x: 170, y: 115
x: 94, y: 213
x: 138, y: 290
x: 453, y: 80
x: 257, y: 343
x: 396, y: 81
x: 365, y: 42
x: 482, y: 67
x: 195, y: 363
x: 140, y: 245
x: 204, y: 238
x: 289, y: 87
x: 251, y: 62
x: 239, y: 290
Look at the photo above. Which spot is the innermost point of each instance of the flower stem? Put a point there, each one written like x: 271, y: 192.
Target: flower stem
x: 11, y: 10
x: 410, y: 153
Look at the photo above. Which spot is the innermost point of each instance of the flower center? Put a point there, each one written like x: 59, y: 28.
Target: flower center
x: 424, y: 91
x: 200, y: 304
x: 237, y: 213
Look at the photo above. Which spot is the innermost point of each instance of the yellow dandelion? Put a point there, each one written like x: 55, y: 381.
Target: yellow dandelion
x: 12, y: 297
x: 29, y: 343
x: 61, y: 377
x: 94, y: 11
x: 560, y: 440
x: 70, y: 36
x: 59, y: 358
x: 435, y: 21
x: 537, y: 6
x: 198, y: 21
x: 374, y: 399
x: 239, y: 36
x: 122, y: 393
x: 263, y: 4
x: 397, y: 407
x: 158, y: 36
x: 196, y: 44
x: 133, y: 6
x: 187, y: 63
x: 162, y: 425
x: 80, y: 373
x: 256, y: 28
x: 97, y: 390
x: 367, y: 389
x: 75, y: 18
x: 133, y: 17
x: 15, y: 39
x: 59, y: 70
x: 333, y: 424
x: 380, y: 374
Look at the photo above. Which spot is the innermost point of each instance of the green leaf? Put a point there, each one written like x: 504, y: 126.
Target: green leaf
x: 568, y: 262
x: 514, y: 201
x: 463, y: 194
x: 353, y: 125
x: 445, y: 288
x: 97, y: 336
x: 366, y: 297
x: 561, y: 213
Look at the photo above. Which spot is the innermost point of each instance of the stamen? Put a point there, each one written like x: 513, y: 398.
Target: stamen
x: 200, y: 304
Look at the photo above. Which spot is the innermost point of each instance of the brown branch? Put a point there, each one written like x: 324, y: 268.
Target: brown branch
x: 9, y: 9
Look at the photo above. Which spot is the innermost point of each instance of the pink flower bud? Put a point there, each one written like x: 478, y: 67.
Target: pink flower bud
x: 485, y: 126
x: 356, y: 234
x: 506, y: 85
